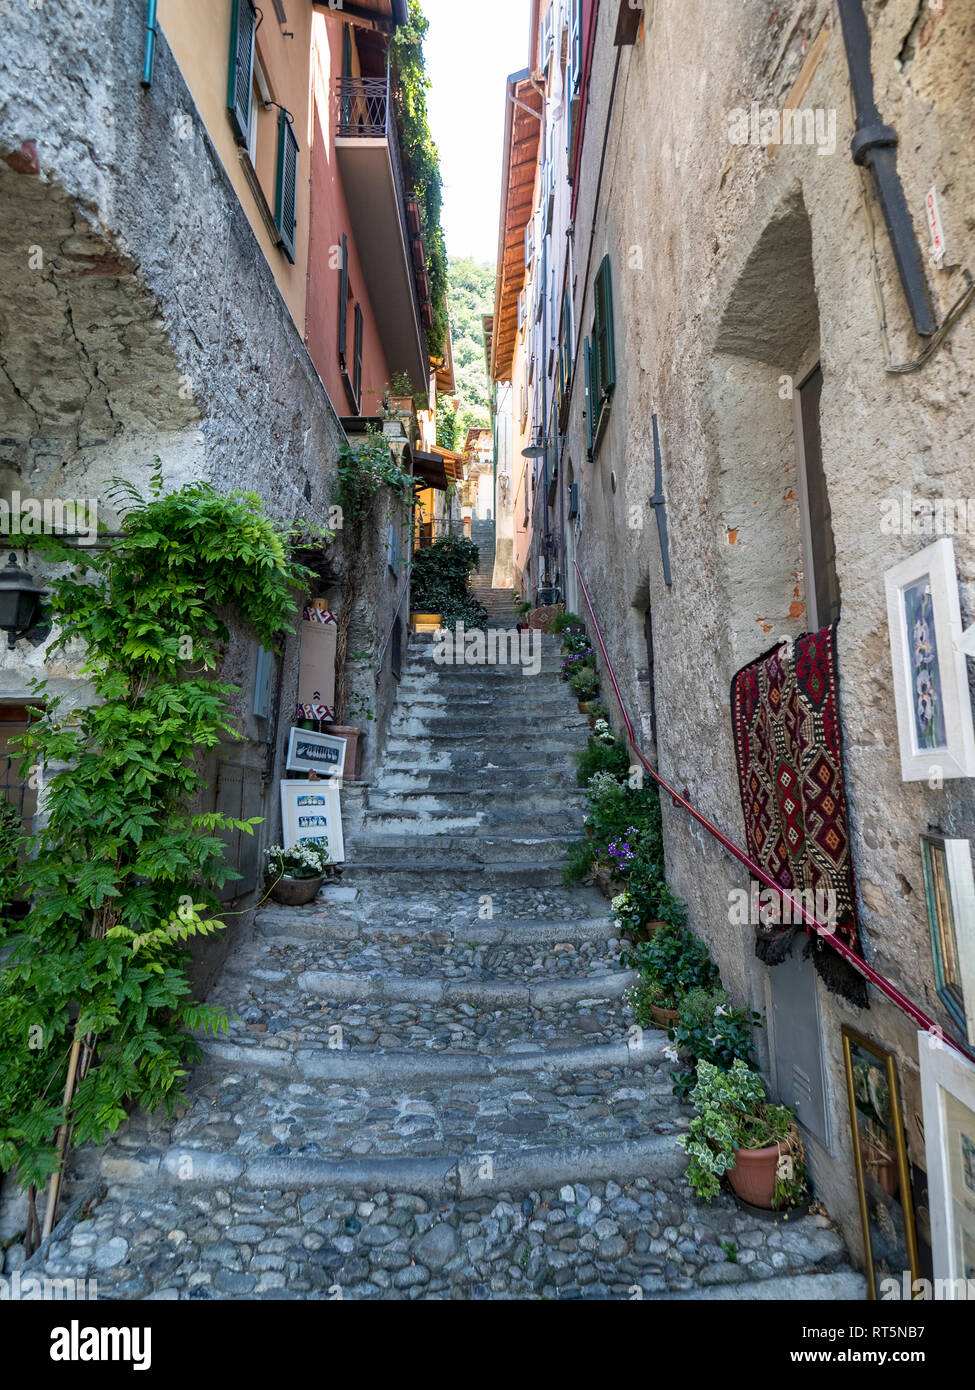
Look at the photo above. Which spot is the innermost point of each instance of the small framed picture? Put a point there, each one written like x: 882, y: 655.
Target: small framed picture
x: 880, y: 1159
x: 949, y: 887
x: 948, y: 1097
x: 934, y: 708
x: 312, y: 752
x: 312, y: 811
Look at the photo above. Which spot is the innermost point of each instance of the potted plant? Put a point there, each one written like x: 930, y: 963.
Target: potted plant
x: 360, y: 712
x: 671, y: 963
x: 584, y: 684
x: 297, y: 873
x: 709, y: 1029
x: 737, y: 1132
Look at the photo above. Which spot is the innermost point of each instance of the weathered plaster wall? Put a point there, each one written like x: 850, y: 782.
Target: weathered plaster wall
x: 729, y: 263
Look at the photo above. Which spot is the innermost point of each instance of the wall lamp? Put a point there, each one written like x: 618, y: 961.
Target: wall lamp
x: 20, y: 602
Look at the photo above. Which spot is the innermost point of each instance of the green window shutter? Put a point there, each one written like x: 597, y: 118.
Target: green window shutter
x: 243, y: 24
x: 343, y: 301
x: 286, y: 190
x: 591, y: 394
x: 604, y: 331
x: 346, y: 72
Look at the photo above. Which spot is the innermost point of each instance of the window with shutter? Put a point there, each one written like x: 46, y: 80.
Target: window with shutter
x: 574, y: 73
x: 591, y: 397
x: 286, y: 189
x: 357, y: 361
x: 243, y: 24
x: 603, y: 333
x: 343, y: 301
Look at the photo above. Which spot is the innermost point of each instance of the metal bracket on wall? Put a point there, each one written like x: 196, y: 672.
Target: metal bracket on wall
x: 659, y: 504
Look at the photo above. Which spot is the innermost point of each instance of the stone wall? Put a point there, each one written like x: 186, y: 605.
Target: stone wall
x: 736, y: 267
x: 139, y: 320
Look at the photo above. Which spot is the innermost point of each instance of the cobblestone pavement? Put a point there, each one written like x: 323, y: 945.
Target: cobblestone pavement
x: 431, y: 1085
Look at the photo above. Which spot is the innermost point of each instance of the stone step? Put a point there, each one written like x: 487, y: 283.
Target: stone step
x: 555, y: 740
x: 454, y: 850
x: 347, y: 1066
x: 494, y: 994
x: 414, y: 874
x: 474, y: 799
x: 521, y: 821
x: 490, y: 721
x: 481, y: 778
x: 430, y: 700
x: 839, y: 1286
x: 466, y: 1174
x: 298, y: 924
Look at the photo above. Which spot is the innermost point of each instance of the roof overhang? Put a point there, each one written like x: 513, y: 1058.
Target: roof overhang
x: 386, y: 15
x: 522, y: 133
x: 453, y: 462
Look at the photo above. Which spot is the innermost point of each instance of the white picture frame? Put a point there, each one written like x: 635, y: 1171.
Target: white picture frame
x: 948, y: 1104
x: 304, y: 802
x: 934, y: 709
x: 309, y: 751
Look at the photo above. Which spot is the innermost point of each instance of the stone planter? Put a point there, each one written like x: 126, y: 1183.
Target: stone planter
x: 354, y: 739
x: 296, y: 892
x: 426, y: 622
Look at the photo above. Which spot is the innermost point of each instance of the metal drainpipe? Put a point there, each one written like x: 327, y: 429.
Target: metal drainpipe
x: 150, y: 56
x: 875, y: 146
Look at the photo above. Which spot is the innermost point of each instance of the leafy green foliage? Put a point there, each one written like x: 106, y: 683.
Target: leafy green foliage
x: 673, y: 961
x: 122, y: 874
x: 447, y: 424
x: 471, y: 297
x: 563, y: 621
x: 584, y: 682
x: 598, y: 756
x: 731, y: 1112
x: 441, y: 574
x: 421, y: 161
x: 710, y: 1030
x: 363, y: 470
x: 11, y: 843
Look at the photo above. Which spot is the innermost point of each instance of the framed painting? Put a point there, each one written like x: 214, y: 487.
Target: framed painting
x: 312, y: 811
x: 934, y: 708
x: 948, y: 1100
x: 313, y: 752
x: 949, y: 887
x: 880, y: 1158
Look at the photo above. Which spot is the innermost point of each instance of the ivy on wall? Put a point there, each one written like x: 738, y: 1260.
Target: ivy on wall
x: 421, y: 161
x: 122, y: 874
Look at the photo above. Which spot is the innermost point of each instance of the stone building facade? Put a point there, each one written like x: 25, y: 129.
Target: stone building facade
x: 758, y: 319
x: 152, y: 314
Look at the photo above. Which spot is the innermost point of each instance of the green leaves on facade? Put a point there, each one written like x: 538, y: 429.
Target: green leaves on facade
x: 124, y: 870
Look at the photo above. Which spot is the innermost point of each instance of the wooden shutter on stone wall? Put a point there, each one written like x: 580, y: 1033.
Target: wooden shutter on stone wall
x: 286, y: 188
x: 241, y: 72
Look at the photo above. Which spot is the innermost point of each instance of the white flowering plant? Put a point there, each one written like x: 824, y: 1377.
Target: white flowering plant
x: 307, y: 859
x: 602, y: 732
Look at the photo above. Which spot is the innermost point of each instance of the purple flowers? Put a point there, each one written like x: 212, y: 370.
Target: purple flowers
x: 622, y: 851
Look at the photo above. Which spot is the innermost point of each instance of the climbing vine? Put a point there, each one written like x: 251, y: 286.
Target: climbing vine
x: 421, y: 161
x: 122, y: 873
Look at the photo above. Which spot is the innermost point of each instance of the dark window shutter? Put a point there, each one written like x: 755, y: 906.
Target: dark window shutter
x: 604, y: 332
x: 286, y: 192
x: 343, y: 301
x: 591, y: 396
x: 357, y: 361
x: 241, y: 74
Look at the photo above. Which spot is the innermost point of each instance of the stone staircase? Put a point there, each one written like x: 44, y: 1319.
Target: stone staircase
x: 431, y: 1085
x: 498, y: 602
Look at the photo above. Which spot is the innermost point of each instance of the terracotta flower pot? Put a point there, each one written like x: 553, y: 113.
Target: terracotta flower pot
x: 753, y: 1176
x: 664, y: 1018
x: 296, y: 892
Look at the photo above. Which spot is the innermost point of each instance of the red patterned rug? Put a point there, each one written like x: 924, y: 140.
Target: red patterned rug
x: 790, y: 774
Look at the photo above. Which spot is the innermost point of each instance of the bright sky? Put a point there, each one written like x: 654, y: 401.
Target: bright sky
x: 469, y: 53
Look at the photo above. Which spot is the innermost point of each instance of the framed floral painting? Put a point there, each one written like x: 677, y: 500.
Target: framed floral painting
x: 948, y: 1095
x: 934, y: 708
